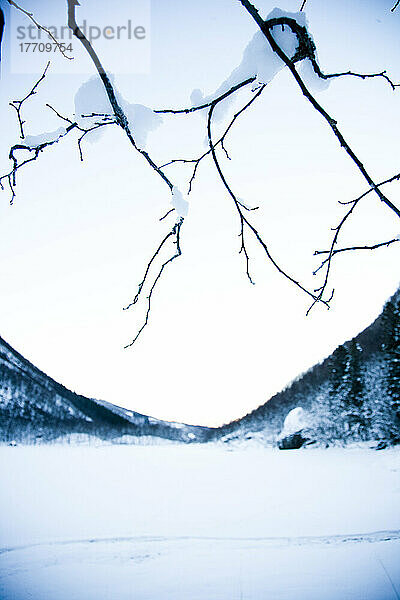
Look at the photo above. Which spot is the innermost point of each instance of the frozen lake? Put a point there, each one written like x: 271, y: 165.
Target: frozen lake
x: 199, y: 523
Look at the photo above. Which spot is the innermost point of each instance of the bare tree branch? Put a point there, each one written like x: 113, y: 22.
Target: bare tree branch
x: 34, y: 155
x: 331, y: 252
x: 244, y: 222
x: 185, y: 111
x: 382, y: 74
x: 35, y: 150
x: 306, y: 49
x: 123, y: 122
x: 390, y: 180
x: 120, y: 116
x: 339, y: 250
x: 395, y: 6
x: 17, y: 104
x: 175, y: 232
x: 197, y: 161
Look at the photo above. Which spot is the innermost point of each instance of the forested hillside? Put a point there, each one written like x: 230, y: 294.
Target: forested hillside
x: 352, y: 395
x: 34, y: 407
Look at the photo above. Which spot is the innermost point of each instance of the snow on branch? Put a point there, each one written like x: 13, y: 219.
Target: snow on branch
x: 282, y: 41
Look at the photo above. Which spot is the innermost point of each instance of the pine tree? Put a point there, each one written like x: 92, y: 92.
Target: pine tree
x: 347, y: 391
x: 391, y: 349
x: 338, y: 372
x: 354, y: 398
x: 338, y: 388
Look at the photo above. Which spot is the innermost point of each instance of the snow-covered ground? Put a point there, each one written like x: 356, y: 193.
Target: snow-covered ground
x: 198, y: 523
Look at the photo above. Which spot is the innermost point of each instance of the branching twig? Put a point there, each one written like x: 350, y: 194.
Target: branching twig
x: 390, y: 180
x: 339, y: 250
x: 35, y: 152
x: 382, y: 74
x: 244, y: 222
x: 123, y: 122
x: 120, y: 116
x: 197, y: 161
x: 17, y: 104
x: 186, y: 111
x: 306, y: 49
x: 175, y: 232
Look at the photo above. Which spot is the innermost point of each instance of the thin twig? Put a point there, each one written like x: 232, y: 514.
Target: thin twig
x: 40, y: 27
x: 339, y: 250
x: 390, y: 180
x: 17, y: 104
x: 197, y: 161
x: 185, y: 111
x: 35, y: 152
x: 395, y: 6
x: 60, y: 116
x: 244, y: 222
x: 175, y: 232
x: 382, y: 74
x: 167, y: 214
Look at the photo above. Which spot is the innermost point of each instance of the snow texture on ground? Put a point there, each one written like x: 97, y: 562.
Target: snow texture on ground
x: 199, y: 522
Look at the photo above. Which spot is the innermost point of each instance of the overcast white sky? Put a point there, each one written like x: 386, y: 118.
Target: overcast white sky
x: 74, y: 245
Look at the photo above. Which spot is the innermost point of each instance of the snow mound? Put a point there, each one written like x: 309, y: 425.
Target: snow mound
x: 91, y: 98
x: 33, y: 141
x: 179, y: 203
x: 261, y: 62
x: 296, y: 420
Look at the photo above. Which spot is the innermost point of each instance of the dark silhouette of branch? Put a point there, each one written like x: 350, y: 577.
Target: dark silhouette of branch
x: 175, y: 232
x: 395, y: 6
x: 17, y: 104
x: 185, y: 111
x: 34, y: 151
x: 244, y: 222
x: 40, y: 27
x: 120, y: 116
x: 331, y: 252
x: 123, y: 122
x: 167, y: 214
x: 220, y: 142
x: 390, y: 180
x: 305, y: 49
x: 382, y: 74
x: 106, y: 120
x: 340, y: 250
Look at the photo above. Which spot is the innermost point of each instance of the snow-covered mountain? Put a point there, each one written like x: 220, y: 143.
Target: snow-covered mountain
x: 33, y: 405
x: 315, y: 391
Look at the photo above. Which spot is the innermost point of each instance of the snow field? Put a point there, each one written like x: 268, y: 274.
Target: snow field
x: 198, y: 522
